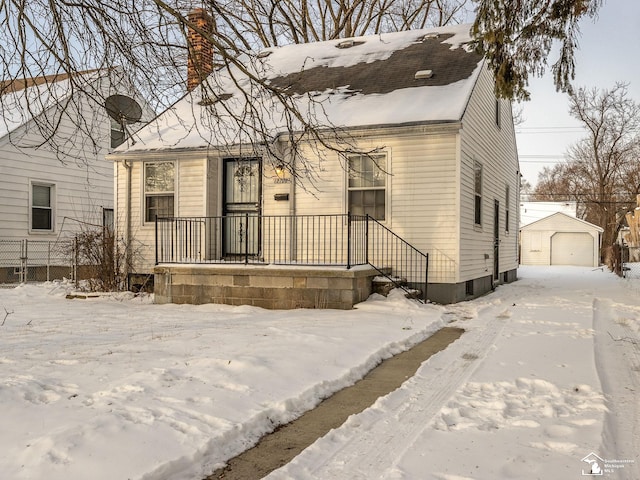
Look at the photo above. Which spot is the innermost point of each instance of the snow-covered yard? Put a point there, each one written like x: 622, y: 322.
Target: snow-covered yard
x: 546, y: 376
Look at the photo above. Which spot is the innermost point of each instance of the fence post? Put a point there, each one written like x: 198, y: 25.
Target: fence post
x: 75, y: 261
x: 23, y: 261
x: 48, y: 260
x: 348, y: 240
x: 366, y: 239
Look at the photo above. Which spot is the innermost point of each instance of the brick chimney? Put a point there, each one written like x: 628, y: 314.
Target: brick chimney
x: 200, y: 56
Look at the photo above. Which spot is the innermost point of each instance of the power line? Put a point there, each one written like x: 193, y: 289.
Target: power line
x: 549, y: 130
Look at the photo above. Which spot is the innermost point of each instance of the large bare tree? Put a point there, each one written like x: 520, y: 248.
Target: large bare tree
x: 602, y: 172
x: 147, y: 40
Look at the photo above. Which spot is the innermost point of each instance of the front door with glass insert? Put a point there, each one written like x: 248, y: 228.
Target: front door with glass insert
x: 242, y: 190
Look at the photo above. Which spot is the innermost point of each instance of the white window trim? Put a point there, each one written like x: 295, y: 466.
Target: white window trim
x: 53, y: 206
x: 143, y: 196
x: 387, y: 186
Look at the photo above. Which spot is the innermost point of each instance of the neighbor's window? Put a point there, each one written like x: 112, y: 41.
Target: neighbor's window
x: 367, y: 185
x: 159, y: 180
x: 477, y: 174
x: 118, y: 134
x: 506, y: 208
x: 108, y: 218
x: 42, y: 207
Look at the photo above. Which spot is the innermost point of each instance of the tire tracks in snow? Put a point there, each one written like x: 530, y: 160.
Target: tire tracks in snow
x: 374, y: 440
x: 617, y: 358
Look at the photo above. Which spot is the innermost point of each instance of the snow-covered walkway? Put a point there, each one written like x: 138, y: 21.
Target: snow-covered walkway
x: 544, y: 384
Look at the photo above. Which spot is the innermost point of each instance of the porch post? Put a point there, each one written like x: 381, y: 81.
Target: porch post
x: 156, y: 239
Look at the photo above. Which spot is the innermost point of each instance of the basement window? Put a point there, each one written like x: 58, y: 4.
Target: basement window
x: 468, y: 287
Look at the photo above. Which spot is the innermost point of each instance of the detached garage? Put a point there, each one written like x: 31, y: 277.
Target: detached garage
x: 560, y: 239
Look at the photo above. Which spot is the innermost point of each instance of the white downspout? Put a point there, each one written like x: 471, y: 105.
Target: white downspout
x: 128, y: 254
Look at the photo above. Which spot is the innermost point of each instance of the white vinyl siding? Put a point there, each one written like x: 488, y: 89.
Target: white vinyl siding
x: 81, y: 191
x: 429, y: 187
x: 495, y: 148
x: 190, y: 175
x: 422, y: 196
x: 83, y: 178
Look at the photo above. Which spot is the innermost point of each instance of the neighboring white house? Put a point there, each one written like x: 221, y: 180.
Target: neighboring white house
x: 443, y: 174
x: 53, y: 140
x: 560, y: 239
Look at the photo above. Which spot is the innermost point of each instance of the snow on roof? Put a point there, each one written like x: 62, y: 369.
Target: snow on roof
x: 27, y: 98
x: 357, y: 82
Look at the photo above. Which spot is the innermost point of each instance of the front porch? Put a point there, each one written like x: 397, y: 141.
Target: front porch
x: 266, y: 286
x: 283, y: 262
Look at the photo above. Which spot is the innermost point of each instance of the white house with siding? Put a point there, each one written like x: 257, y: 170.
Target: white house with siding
x: 441, y: 170
x: 54, y: 135
x: 53, y: 140
x: 561, y: 239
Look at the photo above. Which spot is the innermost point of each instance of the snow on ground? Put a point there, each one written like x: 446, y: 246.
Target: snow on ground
x: 546, y: 376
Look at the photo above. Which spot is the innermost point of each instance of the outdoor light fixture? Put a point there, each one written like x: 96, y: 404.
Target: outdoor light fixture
x: 280, y: 170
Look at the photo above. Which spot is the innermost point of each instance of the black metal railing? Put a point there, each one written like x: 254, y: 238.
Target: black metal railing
x: 409, y: 266
x: 324, y: 240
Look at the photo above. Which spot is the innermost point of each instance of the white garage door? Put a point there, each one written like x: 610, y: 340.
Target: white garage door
x: 572, y: 248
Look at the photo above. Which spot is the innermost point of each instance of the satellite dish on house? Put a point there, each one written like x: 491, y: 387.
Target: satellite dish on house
x: 123, y: 109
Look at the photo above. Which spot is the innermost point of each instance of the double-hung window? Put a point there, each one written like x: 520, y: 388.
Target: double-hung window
x: 507, y: 208
x: 42, y: 207
x: 477, y: 175
x: 498, y: 114
x: 367, y: 185
x: 159, y: 184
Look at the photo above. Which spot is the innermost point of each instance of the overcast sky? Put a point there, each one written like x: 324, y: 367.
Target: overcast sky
x: 608, y: 53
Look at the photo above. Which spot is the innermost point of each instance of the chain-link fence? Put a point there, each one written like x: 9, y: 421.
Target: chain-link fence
x: 630, y: 262
x: 36, y: 261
